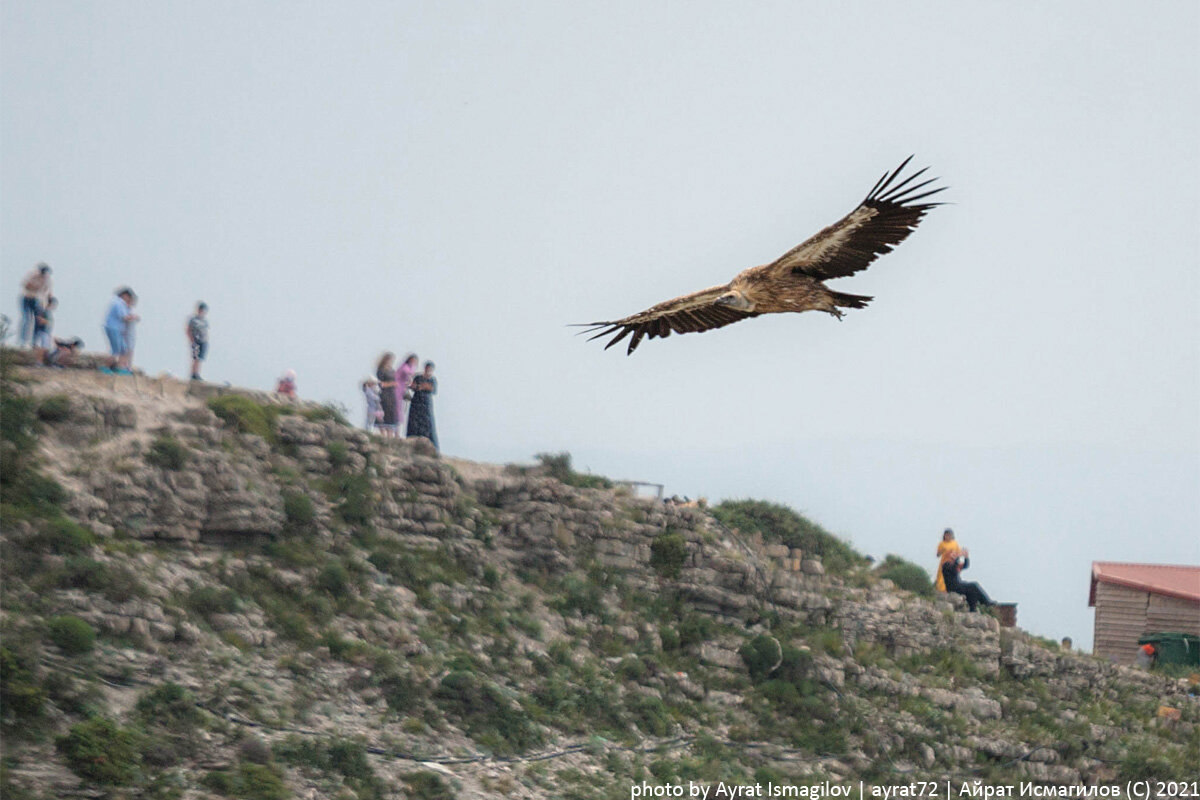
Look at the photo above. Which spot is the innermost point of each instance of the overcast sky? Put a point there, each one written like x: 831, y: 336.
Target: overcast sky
x: 464, y: 179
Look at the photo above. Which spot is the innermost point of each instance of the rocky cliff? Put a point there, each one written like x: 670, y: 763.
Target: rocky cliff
x: 208, y: 594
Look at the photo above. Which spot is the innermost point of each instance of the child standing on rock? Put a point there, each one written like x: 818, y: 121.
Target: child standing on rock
x: 197, y: 334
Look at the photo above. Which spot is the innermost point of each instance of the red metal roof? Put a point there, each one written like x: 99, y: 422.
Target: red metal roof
x: 1174, y: 580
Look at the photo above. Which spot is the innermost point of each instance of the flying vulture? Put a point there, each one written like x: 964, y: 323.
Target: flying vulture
x: 795, y: 281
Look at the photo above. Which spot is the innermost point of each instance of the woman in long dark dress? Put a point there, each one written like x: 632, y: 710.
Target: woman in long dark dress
x: 420, y: 408
x: 386, y: 374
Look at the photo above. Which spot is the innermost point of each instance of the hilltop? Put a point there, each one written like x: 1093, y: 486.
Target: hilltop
x: 208, y: 593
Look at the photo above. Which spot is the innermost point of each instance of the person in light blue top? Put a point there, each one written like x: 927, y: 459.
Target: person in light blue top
x: 116, y: 324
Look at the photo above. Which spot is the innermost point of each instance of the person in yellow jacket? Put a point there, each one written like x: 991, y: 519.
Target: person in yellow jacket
x: 947, y: 549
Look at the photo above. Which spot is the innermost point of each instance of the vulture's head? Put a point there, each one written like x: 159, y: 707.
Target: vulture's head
x: 736, y: 300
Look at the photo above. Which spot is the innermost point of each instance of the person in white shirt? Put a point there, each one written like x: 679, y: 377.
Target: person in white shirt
x: 35, y: 293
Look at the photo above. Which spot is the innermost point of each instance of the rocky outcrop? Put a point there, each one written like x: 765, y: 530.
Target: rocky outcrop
x: 416, y: 553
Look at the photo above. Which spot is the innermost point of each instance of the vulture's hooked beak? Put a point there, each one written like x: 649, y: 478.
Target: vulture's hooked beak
x: 733, y: 300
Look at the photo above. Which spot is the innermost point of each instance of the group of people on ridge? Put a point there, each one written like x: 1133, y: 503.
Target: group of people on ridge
x: 952, y: 560
x: 399, y: 398
x: 38, y: 304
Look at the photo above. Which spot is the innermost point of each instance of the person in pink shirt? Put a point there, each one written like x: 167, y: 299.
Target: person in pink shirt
x: 404, y: 376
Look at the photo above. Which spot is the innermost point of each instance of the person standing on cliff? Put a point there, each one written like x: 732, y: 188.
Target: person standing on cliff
x: 389, y: 426
x: 35, y: 294
x: 116, y: 328
x: 404, y: 376
x: 197, y: 334
x: 43, y: 325
x: 420, y: 415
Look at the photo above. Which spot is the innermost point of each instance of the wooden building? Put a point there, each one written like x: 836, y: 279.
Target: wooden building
x: 1132, y: 600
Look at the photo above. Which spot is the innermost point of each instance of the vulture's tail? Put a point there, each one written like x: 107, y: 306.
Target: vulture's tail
x: 850, y: 300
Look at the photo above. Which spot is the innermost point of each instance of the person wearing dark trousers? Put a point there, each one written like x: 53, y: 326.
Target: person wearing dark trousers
x: 972, y: 591
x: 197, y: 335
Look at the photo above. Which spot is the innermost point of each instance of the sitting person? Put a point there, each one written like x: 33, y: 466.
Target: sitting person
x: 64, y: 352
x: 287, y: 385
x: 974, y: 593
x: 946, y: 549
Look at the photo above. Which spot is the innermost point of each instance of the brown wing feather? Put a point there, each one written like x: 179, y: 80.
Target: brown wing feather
x: 690, y: 313
x: 883, y: 220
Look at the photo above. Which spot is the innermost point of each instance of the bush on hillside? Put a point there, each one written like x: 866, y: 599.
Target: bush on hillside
x: 905, y: 574
x: 23, y: 489
x: 778, y: 523
x: 488, y: 716
x: 427, y: 786
x: 167, y: 452
x: 331, y: 411
x: 668, y: 552
x: 246, y: 415
x: 62, y: 537
x: 54, y: 408
x: 73, y: 635
x: 558, y: 466
x: 101, y: 751
x: 298, y: 510
x: 248, y: 782
x: 21, y: 695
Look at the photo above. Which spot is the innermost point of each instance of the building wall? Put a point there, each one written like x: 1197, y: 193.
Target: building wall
x: 1120, y: 620
x: 1172, y: 614
x: 1123, y: 615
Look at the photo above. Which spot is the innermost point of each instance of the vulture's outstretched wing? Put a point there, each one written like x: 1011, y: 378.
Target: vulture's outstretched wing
x: 883, y: 220
x: 688, y: 314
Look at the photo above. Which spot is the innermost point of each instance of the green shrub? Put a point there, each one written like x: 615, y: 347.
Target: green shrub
x: 778, y: 523
x: 582, y: 595
x: 73, y: 635
x: 345, y: 757
x: 101, y: 751
x: 945, y: 661
x: 651, y: 715
x: 22, y: 487
x: 905, y: 575
x: 694, y: 630
x: 668, y: 552
x: 18, y: 419
x: 170, y: 706
x: 167, y: 452
x: 61, y: 536
x: 486, y: 714
x: 332, y: 411
x: 115, y: 583
x: 1144, y: 762
x: 21, y: 697
x: 334, y: 579
x: 246, y: 415
x: 209, y: 600
x: 248, y: 782
x: 356, y: 496
x: 339, y: 454
x: 55, y: 408
x: 169, y: 713
x: 762, y: 655
x: 298, y: 510
x: 427, y: 786
x: 401, y: 692
x: 558, y: 466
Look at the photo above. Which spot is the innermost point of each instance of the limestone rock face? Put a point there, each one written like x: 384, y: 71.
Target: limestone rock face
x: 321, y: 580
